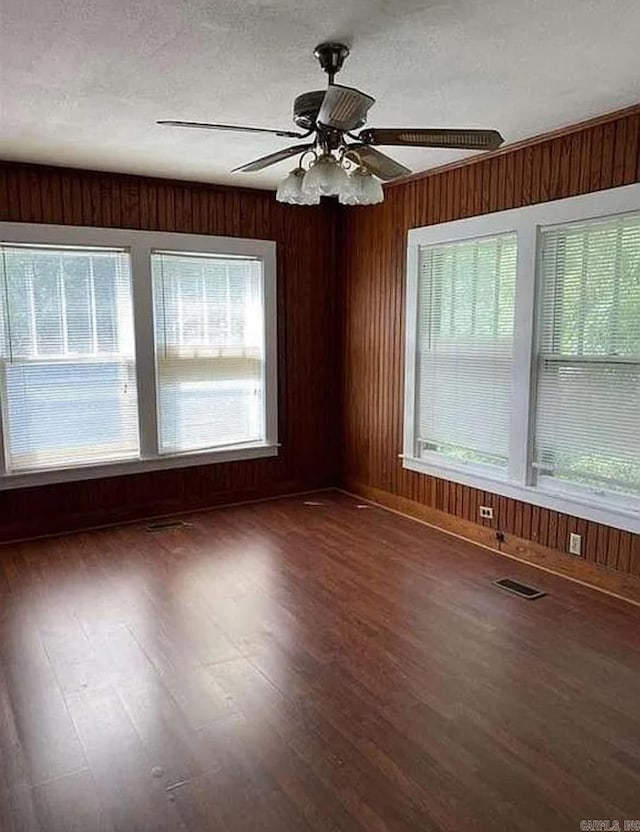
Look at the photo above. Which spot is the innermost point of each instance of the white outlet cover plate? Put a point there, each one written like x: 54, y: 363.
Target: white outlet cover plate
x: 575, y: 544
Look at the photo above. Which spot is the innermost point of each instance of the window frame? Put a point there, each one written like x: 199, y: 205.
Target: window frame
x: 518, y: 481
x: 139, y: 245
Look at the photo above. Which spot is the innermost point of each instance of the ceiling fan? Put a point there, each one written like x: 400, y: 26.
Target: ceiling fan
x: 342, y: 162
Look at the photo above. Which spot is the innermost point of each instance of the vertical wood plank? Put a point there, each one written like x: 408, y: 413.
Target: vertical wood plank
x: 619, y: 153
x: 607, y: 159
x: 595, y: 158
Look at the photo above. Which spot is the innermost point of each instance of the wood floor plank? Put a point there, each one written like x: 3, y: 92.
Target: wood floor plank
x: 46, y: 735
x: 17, y: 810
x: 305, y: 665
x: 60, y: 810
x: 131, y: 784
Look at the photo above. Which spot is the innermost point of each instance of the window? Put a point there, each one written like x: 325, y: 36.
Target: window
x: 465, y: 336
x: 67, y: 357
x: 125, y: 350
x: 523, y: 354
x: 209, y: 338
x: 587, y: 422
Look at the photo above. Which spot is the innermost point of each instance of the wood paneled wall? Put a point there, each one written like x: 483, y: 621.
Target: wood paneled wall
x: 597, y: 156
x: 307, y: 353
x: 340, y: 307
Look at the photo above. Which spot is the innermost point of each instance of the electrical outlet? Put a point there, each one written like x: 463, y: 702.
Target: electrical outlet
x: 486, y: 512
x: 575, y: 544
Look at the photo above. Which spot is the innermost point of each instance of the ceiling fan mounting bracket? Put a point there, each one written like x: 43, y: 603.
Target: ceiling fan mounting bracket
x: 331, y: 57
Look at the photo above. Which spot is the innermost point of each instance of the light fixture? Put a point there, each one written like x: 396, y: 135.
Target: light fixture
x: 290, y: 189
x: 326, y: 177
x: 365, y: 188
x: 330, y: 173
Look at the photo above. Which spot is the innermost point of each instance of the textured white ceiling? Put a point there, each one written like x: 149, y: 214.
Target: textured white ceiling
x: 83, y: 81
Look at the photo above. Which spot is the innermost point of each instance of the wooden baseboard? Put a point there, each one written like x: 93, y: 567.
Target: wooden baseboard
x: 617, y: 584
x: 150, y: 517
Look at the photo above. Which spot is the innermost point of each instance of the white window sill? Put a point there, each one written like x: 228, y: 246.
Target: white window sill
x: 137, y: 466
x: 621, y: 513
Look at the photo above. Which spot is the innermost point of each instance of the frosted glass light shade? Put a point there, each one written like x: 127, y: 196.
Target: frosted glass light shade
x: 290, y: 190
x: 326, y: 177
x: 365, y: 189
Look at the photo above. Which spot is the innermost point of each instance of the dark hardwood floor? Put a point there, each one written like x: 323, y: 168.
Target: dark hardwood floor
x: 293, y: 667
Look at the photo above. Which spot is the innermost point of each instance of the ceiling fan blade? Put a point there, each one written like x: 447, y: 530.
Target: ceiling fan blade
x: 381, y: 165
x: 344, y: 108
x: 418, y: 137
x: 272, y: 158
x: 203, y: 125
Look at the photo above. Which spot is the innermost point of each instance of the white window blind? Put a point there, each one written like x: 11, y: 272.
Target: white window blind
x: 464, y: 348
x: 67, y: 370
x: 210, y: 350
x: 587, y: 427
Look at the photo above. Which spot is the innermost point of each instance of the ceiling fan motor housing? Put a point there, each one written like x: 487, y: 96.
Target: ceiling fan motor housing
x: 306, y: 108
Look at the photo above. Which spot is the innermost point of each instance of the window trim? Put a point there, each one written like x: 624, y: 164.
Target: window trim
x: 589, y: 503
x: 139, y: 245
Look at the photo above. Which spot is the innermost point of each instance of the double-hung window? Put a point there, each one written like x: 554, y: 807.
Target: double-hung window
x: 124, y: 350
x: 209, y: 337
x: 587, y: 412
x: 67, y: 362
x: 523, y: 354
x: 464, y: 349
